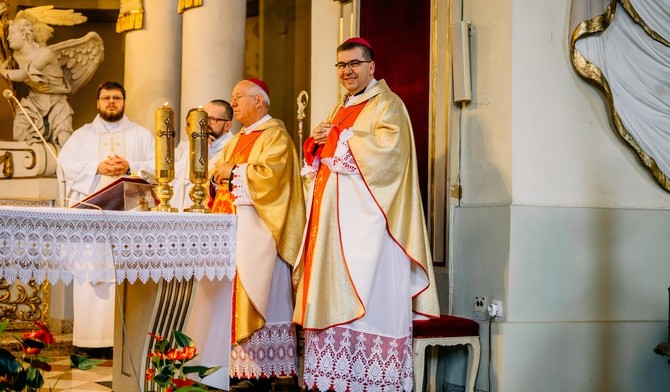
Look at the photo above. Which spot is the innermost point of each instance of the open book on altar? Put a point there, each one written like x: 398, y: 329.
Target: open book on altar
x: 127, y: 193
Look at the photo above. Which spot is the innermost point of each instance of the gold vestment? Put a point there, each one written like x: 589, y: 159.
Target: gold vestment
x: 383, y: 148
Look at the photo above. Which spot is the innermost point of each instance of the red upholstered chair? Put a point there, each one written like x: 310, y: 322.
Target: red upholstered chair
x: 444, y: 331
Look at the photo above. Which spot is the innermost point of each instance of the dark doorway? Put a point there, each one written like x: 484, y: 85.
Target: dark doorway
x: 399, y: 32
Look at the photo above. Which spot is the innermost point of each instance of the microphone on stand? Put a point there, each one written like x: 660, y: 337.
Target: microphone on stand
x: 7, y: 93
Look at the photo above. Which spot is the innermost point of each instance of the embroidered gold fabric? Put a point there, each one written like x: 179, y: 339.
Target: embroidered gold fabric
x: 186, y: 4
x: 247, y: 318
x: 275, y: 189
x: 274, y: 186
x: 131, y: 15
x: 395, y: 189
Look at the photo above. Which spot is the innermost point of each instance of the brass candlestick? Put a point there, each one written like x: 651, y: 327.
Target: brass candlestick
x: 165, y: 135
x: 199, y: 156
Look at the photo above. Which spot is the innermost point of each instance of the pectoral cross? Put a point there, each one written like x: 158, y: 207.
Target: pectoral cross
x: 111, y: 144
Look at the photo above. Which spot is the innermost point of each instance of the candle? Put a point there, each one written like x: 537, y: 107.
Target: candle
x: 199, y: 144
x: 165, y: 135
x: 198, y: 136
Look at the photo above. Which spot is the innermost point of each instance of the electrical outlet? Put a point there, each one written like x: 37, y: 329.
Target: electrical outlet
x: 480, y: 304
x: 495, y: 309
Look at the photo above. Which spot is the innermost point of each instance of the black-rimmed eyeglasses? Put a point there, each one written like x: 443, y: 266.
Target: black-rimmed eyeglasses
x: 353, y: 64
x: 215, y: 120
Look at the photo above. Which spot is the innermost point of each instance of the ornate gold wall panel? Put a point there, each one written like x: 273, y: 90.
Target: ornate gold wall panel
x: 22, y: 304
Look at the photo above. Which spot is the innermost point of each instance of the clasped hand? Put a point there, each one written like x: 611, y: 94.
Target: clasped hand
x: 114, y: 165
x: 320, y: 132
x: 221, y: 172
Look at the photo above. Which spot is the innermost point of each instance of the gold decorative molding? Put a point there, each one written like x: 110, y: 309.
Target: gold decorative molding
x: 186, y: 4
x: 628, y: 6
x: 7, y: 163
x: 23, y: 304
x: 131, y: 16
x: 591, y: 72
x: 439, y: 112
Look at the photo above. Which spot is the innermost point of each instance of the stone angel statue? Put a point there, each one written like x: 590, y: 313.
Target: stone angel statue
x: 50, y: 72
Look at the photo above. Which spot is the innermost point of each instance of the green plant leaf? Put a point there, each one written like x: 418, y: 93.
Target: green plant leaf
x: 3, y: 325
x: 39, y: 364
x: 8, y: 362
x: 31, y: 343
x: 202, y: 371
x: 20, y: 380
x: 209, y: 371
x: 83, y: 363
x: 162, y: 346
x: 191, y: 388
x: 194, y: 369
x: 183, y: 340
x: 162, y: 379
x: 34, y: 379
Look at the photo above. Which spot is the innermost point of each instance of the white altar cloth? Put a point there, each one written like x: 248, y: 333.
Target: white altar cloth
x: 64, y: 244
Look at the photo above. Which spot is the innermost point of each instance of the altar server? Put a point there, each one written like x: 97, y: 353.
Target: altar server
x: 94, y: 156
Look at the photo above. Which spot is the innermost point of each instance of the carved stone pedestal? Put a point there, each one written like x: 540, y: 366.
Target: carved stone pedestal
x: 28, y: 179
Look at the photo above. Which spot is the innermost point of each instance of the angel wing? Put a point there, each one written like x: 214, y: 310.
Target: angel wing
x: 43, y: 16
x: 79, y: 58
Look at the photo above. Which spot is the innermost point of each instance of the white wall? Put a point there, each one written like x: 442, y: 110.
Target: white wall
x: 486, y: 122
x: 558, y: 218
x: 565, y: 150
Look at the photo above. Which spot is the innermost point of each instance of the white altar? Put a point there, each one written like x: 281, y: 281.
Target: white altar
x: 153, y: 257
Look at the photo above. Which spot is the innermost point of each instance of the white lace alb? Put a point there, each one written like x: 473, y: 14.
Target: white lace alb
x: 269, y: 352
x: 240, y: 191
x: 342, y: 161
x: 352, y: 361
x: 55, y: 244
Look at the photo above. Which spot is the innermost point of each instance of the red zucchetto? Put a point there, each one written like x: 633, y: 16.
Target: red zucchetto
x: 359, y: 40
x: 260, y: 84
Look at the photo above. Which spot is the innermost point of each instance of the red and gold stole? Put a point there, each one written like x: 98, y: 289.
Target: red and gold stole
x: 223, y: 201
x: 245, y: 319
x: 344, y: 119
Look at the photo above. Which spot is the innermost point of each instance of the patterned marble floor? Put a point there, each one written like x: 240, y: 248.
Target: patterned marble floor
x: 62, y: 378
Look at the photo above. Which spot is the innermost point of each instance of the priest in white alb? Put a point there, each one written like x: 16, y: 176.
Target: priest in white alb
x: 257, y: 178
x: 219, y: 122
x: 365, y: 269
x: 94, y: 156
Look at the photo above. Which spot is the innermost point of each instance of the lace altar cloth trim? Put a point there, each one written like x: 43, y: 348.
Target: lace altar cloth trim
x: 348, y: 360
x: 105, y: 246
x: 269, y: 352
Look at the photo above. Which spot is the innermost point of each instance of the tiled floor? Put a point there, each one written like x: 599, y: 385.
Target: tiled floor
x: 62, y: 378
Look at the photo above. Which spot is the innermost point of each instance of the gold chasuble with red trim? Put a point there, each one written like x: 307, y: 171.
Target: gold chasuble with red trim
x: 344, y: 119
x: 275, y: 190
x: 241, y: 327
x: 382, y: 146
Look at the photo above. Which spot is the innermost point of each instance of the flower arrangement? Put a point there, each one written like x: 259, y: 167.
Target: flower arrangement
x: 168, y: 365
x: 14, y: 377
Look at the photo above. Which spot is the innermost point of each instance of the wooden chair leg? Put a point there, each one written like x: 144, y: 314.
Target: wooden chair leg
x: 419, y: 353
x: 433, y: 356
x: 474, y: 353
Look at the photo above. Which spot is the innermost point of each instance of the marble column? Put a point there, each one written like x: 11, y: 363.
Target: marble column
x: 213, y: 39
x: 153, y: 62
